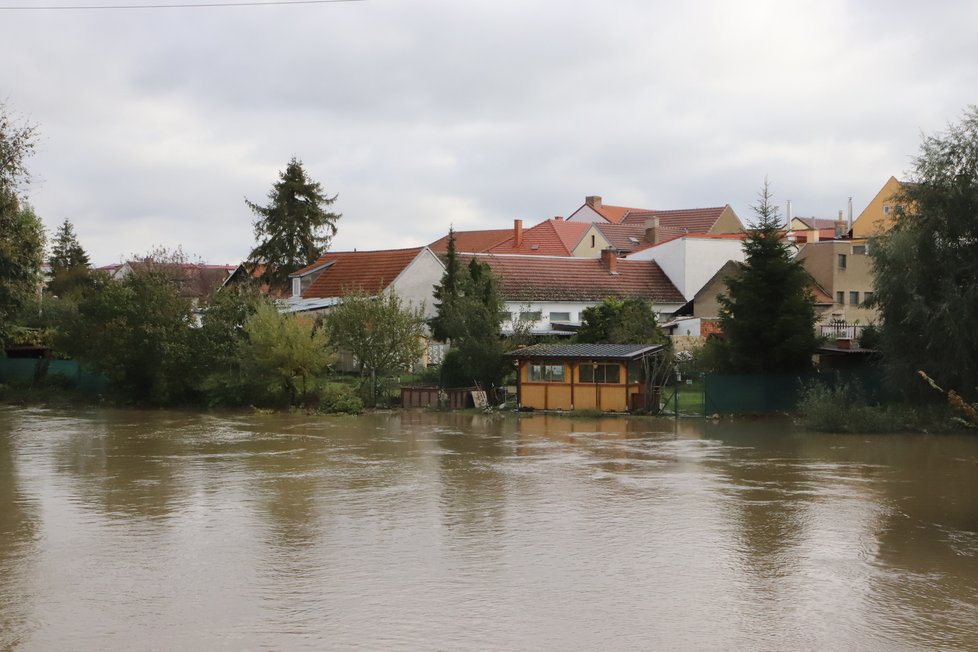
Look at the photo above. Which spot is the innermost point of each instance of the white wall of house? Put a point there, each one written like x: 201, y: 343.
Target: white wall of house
x: 555, y: 312
x: 416, y: 282
x: 586, y: 214
x: 690, y: 262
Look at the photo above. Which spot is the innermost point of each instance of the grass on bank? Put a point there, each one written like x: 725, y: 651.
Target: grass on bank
x: 844, y: 408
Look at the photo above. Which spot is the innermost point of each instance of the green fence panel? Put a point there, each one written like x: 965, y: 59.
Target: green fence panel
x: 25, y: 371
x: 17, y: 370
x: 753, y: 394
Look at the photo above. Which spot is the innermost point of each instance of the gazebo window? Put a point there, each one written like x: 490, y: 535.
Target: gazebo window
x: 601, y: 373
x: 546, y: 373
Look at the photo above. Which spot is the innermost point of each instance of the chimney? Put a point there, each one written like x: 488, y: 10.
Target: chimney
x: 610, y: 260
x: 850, y: 215
x: 594, y: 201
x: 788, y: 214
x: 840, y: 227
x: 652, y: 233
x: 517, y: 233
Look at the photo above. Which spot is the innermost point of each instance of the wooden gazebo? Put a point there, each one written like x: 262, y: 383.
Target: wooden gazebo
x: 604, y: 377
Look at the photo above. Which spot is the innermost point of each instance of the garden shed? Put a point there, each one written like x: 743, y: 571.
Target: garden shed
x: 603, y: 377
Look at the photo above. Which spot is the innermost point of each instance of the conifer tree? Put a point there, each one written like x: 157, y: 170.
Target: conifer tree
x: 69, y: 263
x: 295, y: 228
x: 767, y: 313
x: 66, y: 251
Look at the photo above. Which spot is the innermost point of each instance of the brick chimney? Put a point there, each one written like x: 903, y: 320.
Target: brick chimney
x: 517, y: 233
x: 594, y: 201
x: 841, y: 228
x: 652, y: 232
x: 610, y: 260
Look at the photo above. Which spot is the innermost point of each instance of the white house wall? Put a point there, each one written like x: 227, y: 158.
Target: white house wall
x: 691, y: 262
x: 586, y: 214
x: 574, y: 308
x: 416, y: 282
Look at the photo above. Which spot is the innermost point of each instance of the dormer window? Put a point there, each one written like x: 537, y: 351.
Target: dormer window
x: 296, y: 287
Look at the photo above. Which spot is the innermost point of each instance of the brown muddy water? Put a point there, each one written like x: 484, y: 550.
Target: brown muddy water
x: 124, y: 530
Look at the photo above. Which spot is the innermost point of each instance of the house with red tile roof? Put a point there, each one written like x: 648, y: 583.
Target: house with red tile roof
x: 595, y: 210
x: 411, y: 273
x: 552, y: 291
x: 194, y: 281
x: 553, y: 237
x: 717, y: 219
x: 248, y: 272
x: 472, y: 242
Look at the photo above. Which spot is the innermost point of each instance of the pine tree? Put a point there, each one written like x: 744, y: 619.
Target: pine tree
x: 295, y: 228
x: 767, y: 314
x: 66, y: 251
x: 446, y: 295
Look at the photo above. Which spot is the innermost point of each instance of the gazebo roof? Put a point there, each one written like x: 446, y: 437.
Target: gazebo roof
x: 586, y: 351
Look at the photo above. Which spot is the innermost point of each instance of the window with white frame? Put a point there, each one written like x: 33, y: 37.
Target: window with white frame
x: 545, y: 373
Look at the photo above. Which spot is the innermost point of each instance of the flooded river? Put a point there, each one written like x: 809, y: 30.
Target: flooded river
x: 125, y: 530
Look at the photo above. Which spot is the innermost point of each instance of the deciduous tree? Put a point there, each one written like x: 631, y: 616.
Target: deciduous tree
x: 926, y: 267
x: 621, y: 321
x: 21, y: 232
x: 138, y: 332
x: 282, y: 349
x: 383, y: 334
x: 21, y: 257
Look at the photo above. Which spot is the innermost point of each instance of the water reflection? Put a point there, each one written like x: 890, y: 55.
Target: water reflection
x: 418, y: 530
x: 18, y: 538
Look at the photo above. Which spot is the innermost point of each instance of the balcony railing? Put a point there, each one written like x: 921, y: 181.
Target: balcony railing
x: 841, y: 330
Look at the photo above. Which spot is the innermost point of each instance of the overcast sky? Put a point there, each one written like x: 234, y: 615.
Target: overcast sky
x: 155, y: 124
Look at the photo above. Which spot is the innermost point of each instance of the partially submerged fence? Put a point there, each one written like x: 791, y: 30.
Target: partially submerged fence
x: 699, y: 394
x: 67, y: 373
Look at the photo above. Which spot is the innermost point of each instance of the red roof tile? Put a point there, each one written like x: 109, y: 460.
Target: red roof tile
x: 687, y: 220
x: 472, y: 241
x: 816, y: 222
x: 550, y: 238
x: 539, y: 278
x: 615, y: 214
x: 365, y: 271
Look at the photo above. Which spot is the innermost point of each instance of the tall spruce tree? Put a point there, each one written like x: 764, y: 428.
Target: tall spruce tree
x: 767, y: 313
x: 69, y: 262
x: 295, y: 228
x: 66, y: 251
x: 926, y: 267
x: 446, y: 294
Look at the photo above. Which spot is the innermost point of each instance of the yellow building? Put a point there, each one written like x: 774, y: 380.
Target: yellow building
x: 844, y: 269
x: 877, y: 217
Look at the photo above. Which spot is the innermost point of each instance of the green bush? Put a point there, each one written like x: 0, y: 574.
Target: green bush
x: 843, y: 408
x: 339, y: 398
x: 869, y: 338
